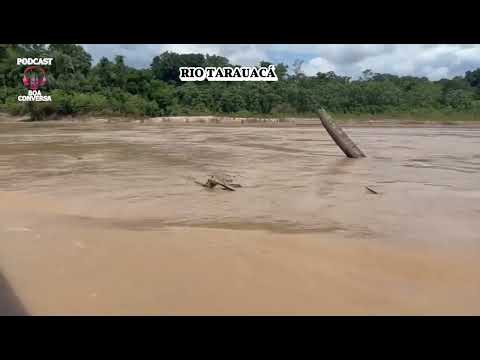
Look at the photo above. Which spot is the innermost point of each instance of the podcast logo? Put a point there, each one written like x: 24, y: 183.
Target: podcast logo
x: 34, y: 77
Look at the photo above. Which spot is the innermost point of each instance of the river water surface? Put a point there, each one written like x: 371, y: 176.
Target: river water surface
x: 107, y: 219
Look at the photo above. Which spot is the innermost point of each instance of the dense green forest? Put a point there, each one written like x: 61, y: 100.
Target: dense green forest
x: 111, y: 87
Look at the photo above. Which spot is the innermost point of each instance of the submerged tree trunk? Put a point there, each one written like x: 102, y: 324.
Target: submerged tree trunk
x: 339, y: 136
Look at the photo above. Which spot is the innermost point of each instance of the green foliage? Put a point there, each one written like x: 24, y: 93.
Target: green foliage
x: 166, y: 66
x: 135, y: 105
x: 62, y: 101
x: 70, y: 58
x: 88, y: 103
x: 473, y: 78
x: 459, y: 99
x: 110, y: 86
x: 13, y: 107
x: 163, y: 95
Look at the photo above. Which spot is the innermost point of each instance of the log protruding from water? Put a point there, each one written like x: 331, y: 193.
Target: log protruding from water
x: 339, y: 136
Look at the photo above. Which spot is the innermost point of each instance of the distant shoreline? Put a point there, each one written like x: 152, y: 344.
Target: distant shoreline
x: 243, y: 121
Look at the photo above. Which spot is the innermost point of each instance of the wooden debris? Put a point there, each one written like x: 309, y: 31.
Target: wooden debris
x: 221, y: 183
x: 339, y: 136
x: 371, y: 190
x: 226, y: 179
x: 213, y: 181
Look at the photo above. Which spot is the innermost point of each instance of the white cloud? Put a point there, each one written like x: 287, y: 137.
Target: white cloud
x: 318, y: 64
x: 141, y: 55
x: 430, y: 60
x: 337, y: 53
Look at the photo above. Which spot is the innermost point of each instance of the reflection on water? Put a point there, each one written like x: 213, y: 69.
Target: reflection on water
x: 294, y: 179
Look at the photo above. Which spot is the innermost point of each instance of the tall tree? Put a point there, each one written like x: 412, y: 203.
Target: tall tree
x: 166, y: 66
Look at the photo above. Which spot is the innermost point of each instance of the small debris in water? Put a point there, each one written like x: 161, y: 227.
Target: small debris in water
x: 225, y: 182
x: 371, y: 190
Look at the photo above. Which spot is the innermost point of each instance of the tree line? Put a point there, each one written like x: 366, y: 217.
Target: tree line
x: 111, y: 87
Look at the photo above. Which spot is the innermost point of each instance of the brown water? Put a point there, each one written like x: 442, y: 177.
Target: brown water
x: 107, y: 219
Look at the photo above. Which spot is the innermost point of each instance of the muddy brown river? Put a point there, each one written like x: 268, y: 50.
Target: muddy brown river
x: 107, y: 219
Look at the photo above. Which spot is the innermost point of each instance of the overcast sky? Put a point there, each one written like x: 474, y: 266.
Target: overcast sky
x: 432, y: 61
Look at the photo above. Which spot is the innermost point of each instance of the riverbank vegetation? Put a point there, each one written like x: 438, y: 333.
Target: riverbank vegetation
x: 110, y: 87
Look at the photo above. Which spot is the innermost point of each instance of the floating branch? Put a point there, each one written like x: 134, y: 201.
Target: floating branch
x: 212, y: 182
